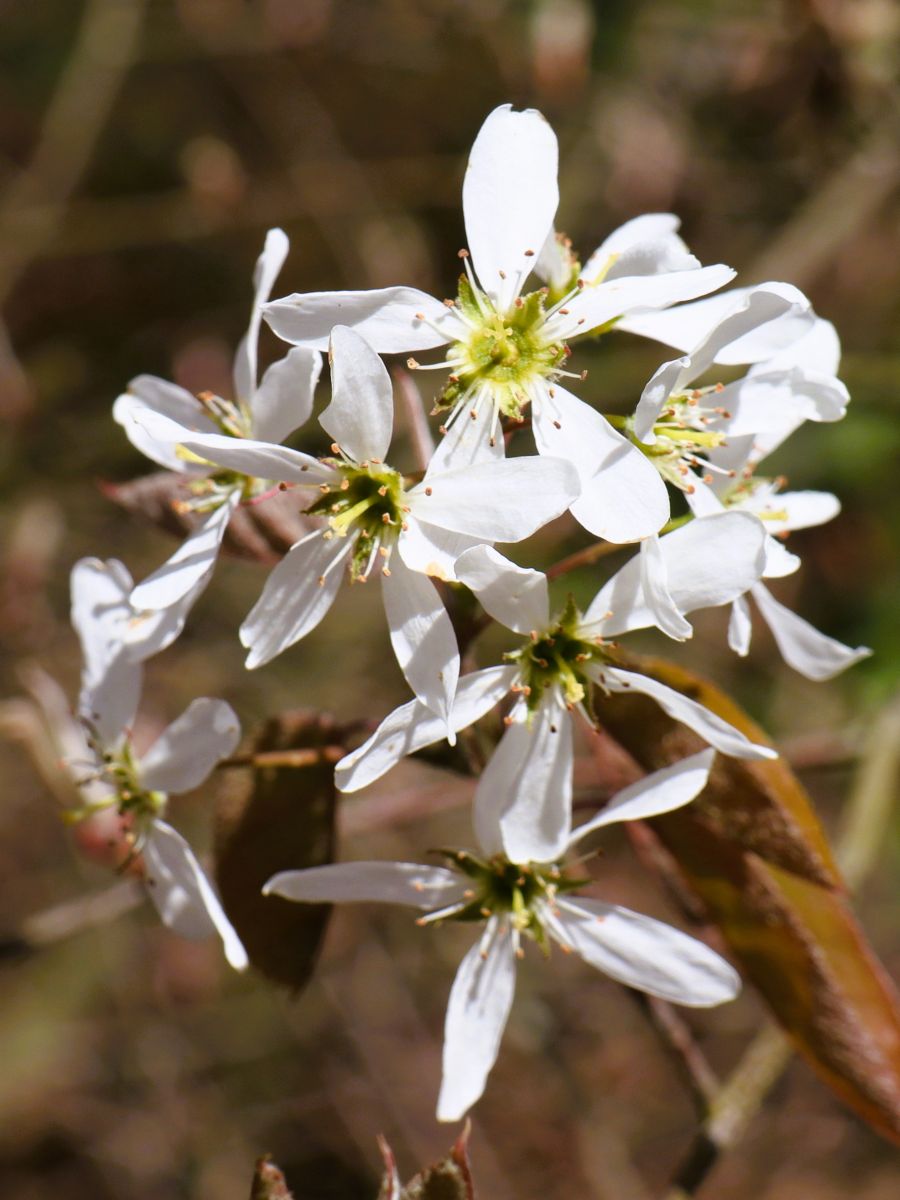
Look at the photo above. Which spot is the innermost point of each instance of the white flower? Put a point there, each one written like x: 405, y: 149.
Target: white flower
x: 157, y: 415
x: 802, y: 646
x: 522, y: 899
x: 110, y: 774
x: 526, y: 788
x: 508, y: 349
x: 370, y: 512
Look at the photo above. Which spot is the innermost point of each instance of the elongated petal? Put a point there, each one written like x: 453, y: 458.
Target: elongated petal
x: 184, y: 897
x: 622, y: 496
x: 655, y: 588
x: 423, y: 638
x: 771, y: 401
x: 523, y: 802
x: 661, y: 792
x: 709, y: 562
x: 145, y: 394
x: 510, y: 197
x: 502, y: 501
x: 260, y: 460
x: 432, y: 550
x: 686, y: 326
x: 802, y: 646
x: 819, y: 350
x: 600, y: 303
x: 360, y: 416
x: 148, y: 632
x: 515, y: 596
x: 377, y: 882
x: 269, y: 263
x: 110, y: 681
x: 740, y: 627
x: 412, y: 727
x: 477, y: 1012
x: 703, y: 722
x: 784, y: 511
x: 655, y: 229
x: 388, y: 318
x: 284, y: 400
x: 184, y: 754
x: 298, y: 593
x: 191, y: 563
x: 645, y: 954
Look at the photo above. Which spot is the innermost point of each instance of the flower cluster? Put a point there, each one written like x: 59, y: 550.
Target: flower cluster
x: 510, y: 340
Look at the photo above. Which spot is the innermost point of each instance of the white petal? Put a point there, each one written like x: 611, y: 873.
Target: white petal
x: 183, y: 896
x: 661, y: 792
x: 498, y: 501
x: 708, y: 562
x: 510, y: 197
x: 413, y: 727
x: 819, y: 349
x: 146, y: 394
x: 432, y: 550
x: 599, y: 303
x: 802, y: 646
x: 655, y: 588
x: 649, y: 227
x: 423, y: 638
x: 148, y: 633
x: 386, y: 317
x: 703, y: 722
x: 284, y: 400
x: 784, y: 511
x: 555, y: 262
x: 686, y: 326
x: 779, y: 560
x: 298, y: 593
x: 269, y: 263
x: 379, y: 882
x: 191, y: 563
x: 110, y: 681
x: 523, y: 802
x: 646, y: 954
x: 740, y: 627
x: 769, y: 401
x: 622, y: 497
x: 515, y: 596
x: 477, y: 1012
x: 259, y: 460
x: 185, y: 753
x: 360, y: 416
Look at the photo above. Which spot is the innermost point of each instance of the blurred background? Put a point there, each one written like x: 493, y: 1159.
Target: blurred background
x: 145, y: 148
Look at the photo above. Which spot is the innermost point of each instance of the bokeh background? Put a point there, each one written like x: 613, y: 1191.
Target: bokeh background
x: 145, y: 147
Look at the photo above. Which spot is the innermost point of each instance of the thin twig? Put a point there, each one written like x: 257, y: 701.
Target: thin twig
x: 416, y: 422
x: 679, y: 1040
x: 583, y: 558
x: 308, y: 757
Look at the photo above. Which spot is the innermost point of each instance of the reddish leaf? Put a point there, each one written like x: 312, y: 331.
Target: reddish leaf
x: 273, y: 817
x: 752, y: 848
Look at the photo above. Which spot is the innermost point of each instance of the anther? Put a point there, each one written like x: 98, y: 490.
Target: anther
x: 502, y: 274
x: 382, y: 491
x: 335, y: 448
x: 412, y: 364
x: 429, y: 491
x: 345, y: 485
x: 529, y: 254
x: 556, y: 425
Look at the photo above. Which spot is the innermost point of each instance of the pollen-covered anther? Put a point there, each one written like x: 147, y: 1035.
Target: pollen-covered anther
x: 321, y: 581
x: 412, y: 364
x: 335, y: 448
x: 429, y: 491
x: 382, y: 491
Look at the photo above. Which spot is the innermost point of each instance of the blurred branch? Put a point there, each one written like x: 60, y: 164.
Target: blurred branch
x: 845, y: 202
x: 867, y: 815
x: 679, y: 1040
x: 74, y: 916
x: 78, y: 110
x: 416, y: 421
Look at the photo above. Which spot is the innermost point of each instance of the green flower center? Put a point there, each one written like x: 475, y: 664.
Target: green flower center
x: 367, y: 504
x: 503, y: 352
x: 557, y: 658
x: 506, y: 889
x: 682, y: 436
x: 119, y: 771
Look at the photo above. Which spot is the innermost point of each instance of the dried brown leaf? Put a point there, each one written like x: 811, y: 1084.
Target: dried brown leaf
x: 752, y: 848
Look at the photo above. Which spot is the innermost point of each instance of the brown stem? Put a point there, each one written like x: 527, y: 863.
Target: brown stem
x: 679, y: 1041
x: 583, y: 558
x: 307, y: 757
